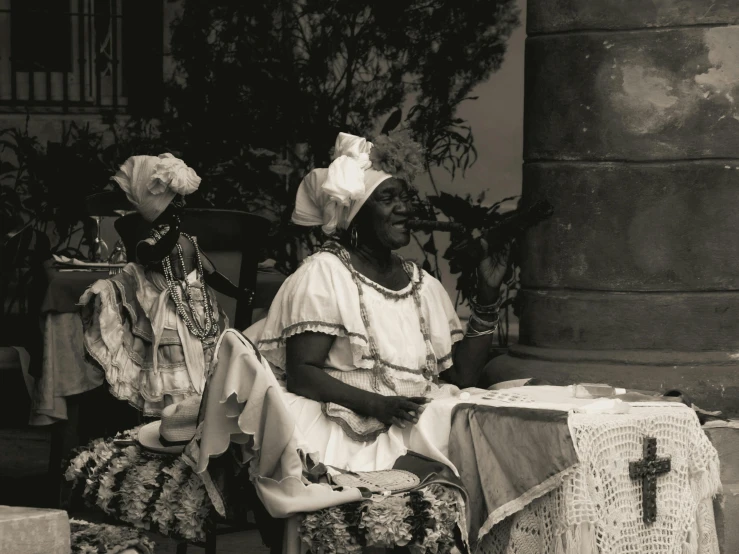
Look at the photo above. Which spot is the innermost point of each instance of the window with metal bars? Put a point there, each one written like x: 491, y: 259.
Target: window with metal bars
x: 93, y: 55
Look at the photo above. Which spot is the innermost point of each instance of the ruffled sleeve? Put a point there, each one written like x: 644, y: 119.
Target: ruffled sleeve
x: 319, y: 297
x: 444, y: 324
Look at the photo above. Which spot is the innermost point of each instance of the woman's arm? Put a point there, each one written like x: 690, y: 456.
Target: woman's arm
x: 472, y: 353
x: 306, y: 354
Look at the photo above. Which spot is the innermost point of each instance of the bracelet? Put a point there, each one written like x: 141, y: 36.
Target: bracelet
x: 488, y: 327
x: 473, y: 333
x: 484, y: 323
x: 485, y: 309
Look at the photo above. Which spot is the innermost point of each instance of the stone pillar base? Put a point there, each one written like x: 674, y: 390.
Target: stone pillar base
x: 709, y: 378
x: 630, y: 132
x: 34, y: 531
x: 725, y: 438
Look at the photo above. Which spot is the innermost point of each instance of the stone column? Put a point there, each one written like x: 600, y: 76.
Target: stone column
x: 632, y: 134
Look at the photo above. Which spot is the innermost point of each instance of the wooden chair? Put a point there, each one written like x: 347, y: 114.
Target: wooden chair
x: 232, y: 241
x: 230, y: 238
x: 107, y: 204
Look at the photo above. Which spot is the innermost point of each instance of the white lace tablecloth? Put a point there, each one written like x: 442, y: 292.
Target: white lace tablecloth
x: 598, y: 507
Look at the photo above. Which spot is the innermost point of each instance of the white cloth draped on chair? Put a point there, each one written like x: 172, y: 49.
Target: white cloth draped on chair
x: 244, y: 405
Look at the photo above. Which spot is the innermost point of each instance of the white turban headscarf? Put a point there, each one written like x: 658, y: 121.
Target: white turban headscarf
x: 332, y: 196
x: 151, y: 182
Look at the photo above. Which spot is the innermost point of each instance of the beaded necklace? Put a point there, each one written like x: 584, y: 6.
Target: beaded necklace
x: 378, y: 370
x: 208, y: 331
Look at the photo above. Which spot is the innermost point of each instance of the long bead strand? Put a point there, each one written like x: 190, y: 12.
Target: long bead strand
x: 210, y: 329
x: 430, y: 366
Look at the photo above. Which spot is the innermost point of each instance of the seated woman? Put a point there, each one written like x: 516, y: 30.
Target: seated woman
x: 152, y: 328
x: 360, y: 338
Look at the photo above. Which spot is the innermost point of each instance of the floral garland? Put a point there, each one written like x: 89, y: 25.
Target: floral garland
x: 161, y: 493
x: 398, y: 155
x: 155, y: 492
x: 96, y: 538
x: 423, y: 520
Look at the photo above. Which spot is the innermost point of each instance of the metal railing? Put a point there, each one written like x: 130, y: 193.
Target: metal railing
x: 83, y: 66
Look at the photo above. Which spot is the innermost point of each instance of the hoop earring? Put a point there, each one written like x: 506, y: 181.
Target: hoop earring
x: 354, y: 237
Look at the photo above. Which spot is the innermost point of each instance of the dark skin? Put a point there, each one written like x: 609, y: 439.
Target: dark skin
x: 381, y: 225
x: 152, y: 255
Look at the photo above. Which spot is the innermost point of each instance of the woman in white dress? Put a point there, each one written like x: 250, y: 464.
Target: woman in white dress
x: 359, y: 338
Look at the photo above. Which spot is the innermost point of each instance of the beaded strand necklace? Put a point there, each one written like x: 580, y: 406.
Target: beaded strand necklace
x: 378, y: 370
x: 209, y: 330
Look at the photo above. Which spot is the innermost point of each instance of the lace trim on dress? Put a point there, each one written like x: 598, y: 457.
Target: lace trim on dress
x: 134, y: 308
x: 373, y: 427
x: 315, y: 326
x: 107, y: 341
x: 380, y: 372
x: 408, y: 290
x: 394, y: 366
x: 419, y: 371
x: 415, y: 276
x: 126, y: 282
x: 274, y: 348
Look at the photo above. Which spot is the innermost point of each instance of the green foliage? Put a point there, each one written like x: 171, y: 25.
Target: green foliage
x: 43, y: 190
x: 264, y: 87
x: 260, y: 91
x: 45, y: 186
x: 462, y: 253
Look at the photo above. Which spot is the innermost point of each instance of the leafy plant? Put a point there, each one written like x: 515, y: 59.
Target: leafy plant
x: 43, y: 190
x: 470, y: 220
x: 263, y: 88
x: 260, y: 91
x: 462, y: 254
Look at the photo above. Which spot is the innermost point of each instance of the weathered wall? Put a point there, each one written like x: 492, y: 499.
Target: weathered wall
x: 631, y: 129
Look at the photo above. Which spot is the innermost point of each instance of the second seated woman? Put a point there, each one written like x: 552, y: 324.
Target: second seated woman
x: 360, y: 338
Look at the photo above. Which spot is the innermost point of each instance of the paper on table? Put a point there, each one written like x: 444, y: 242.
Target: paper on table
x: 718, y: 423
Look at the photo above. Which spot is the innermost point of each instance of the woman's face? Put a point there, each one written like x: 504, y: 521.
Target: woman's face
x: 382, y: 219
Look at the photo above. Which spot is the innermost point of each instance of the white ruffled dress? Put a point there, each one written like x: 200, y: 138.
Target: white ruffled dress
x: 389, y: 342
x: 130, y: 322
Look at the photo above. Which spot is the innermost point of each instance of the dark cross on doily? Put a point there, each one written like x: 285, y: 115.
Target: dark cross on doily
x: 648, y: 470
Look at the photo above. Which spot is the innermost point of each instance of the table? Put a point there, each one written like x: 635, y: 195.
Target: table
x: 64, y: 371
x: 588, y: 503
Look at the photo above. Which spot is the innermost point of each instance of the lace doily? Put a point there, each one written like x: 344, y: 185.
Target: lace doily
x: 598, y: 508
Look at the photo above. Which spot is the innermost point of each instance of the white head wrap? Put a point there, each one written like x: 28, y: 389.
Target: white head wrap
x: 332, y: 196
x: 151, y: 182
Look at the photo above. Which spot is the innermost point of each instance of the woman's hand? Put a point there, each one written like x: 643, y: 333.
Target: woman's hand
x: 397, y: 410
x: 491, y: 271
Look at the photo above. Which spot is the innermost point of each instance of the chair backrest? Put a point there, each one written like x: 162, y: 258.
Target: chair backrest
x: 107, y: 203
x: 231, y: 240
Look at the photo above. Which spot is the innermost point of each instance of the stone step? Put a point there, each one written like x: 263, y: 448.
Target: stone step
x: 34, y: 531
x: 725, y: 438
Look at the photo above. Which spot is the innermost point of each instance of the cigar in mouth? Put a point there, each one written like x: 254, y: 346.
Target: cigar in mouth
x: 432, y: 225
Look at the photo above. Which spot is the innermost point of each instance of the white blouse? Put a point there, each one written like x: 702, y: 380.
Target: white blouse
x: 323, y: 296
